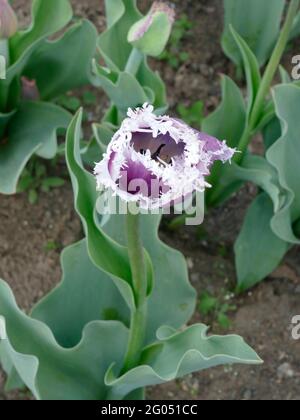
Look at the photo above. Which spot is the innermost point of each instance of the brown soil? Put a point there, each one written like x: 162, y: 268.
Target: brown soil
x: 263, y: 316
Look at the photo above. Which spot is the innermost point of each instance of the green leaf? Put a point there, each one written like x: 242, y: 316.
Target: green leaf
x: 283, y: 155
x: 53, y: 372
x: 114, y: 261
x: 251, y: 68
x: 115, y: 50
x: 226, y: 123
x: 207, y: 303
x: 64, y: 64
x: 257, y: 170
x: 192, y: 115
x: 40, y: 170
x: 85, y: 294
x: 224, y: 321
x: 123, y: 89
x: 112, y: 43
x: 32, y: 130
x: 4, y: 120
x: 256, y: 22
x: 296, y: 28
x: 153, y: 81
x: 271, y: 132
x: 33, y: 196
x: 89, y: 98
x: 24, y: 183
x: 54, y: 182
x: 258, y: 250
x: 284, y: 75
x: 178, y: 354
x: 47, y: 18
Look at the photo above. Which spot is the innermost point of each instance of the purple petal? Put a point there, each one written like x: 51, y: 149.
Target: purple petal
x: 217, y: 149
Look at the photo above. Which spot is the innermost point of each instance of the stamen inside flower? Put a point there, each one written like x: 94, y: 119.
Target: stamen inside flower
x: 163, y: 148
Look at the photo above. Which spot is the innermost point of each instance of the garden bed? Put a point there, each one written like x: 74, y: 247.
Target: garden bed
x: 32, y: 236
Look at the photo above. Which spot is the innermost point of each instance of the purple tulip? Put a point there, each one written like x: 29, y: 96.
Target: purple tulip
x: 156, y: 161
x: 8, y: 20
x: 29, y: 90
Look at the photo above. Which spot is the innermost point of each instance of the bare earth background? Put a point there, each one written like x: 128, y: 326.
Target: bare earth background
x: 263, y: 316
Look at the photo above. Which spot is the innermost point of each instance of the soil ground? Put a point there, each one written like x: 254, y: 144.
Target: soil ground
x: 30, y: 263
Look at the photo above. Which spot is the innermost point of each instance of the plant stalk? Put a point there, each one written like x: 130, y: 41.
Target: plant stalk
x: 139, y: 279
x: 267, y: 79
x: 134, y: 61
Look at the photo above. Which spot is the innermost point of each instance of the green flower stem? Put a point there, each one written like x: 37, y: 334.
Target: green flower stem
x: 139, y: 279
x: 137, y: 262
x: 134, y: 61
x: 267, y: 79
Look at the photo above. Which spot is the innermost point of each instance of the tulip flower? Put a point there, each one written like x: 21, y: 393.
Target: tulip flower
x: 156, y: 161
x: 30, y: 90
x: 151, y: 34
x: 8, y: 20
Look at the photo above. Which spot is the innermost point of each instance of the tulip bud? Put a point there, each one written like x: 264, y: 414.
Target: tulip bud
x: 8, y: 20
x: 30, y: 90
x: 151, y: 34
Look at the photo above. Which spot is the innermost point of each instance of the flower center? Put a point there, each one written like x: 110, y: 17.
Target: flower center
x: 162, y: 148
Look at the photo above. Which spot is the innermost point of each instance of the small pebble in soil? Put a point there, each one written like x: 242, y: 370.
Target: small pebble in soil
x: 285, y: 371
x: 195, y: 277
x: 190, y: 263
x: 248, y: 395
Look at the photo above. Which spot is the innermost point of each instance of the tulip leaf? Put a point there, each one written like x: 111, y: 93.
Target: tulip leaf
x: 256, y: 22
x: 47, y: 18
x: 296, y: 27
x: 31, y: 130
x: 114, y: 261
x: 73, y: 53
x: 226, y: 123
x: 125, y: 91
x: 113, y: 44
x: 153, y: 82
x: 177, y: 354
x: 4, y: 120
x: 271, y: 132
x: 251, y: 68
x: 229, y: 119
x: 85, y: 294
x: 52, y: 372
x: 258, y: 250
x: 283, y: 155
x: 257, y: 170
